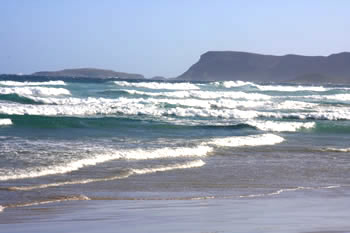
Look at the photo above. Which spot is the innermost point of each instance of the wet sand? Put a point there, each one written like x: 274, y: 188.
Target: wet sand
x: 271, y: 215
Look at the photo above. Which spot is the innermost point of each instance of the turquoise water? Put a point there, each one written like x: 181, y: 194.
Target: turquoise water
x: 64, y: 140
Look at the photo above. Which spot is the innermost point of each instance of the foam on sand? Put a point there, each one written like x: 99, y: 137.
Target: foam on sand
x: 333, y: 149
x: 49, y: 201
x: 5, y: 122
x: 280, y: 191
x: 108, y: 155
x: 141, y: 171
x: 48, y: 83
x: 252, y: 140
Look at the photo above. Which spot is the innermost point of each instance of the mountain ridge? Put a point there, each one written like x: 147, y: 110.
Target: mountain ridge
x: 233, y: 65
x: 88, y: 73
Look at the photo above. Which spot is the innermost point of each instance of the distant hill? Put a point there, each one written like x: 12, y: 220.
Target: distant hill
x: 228, y: 65
x: 89, y: 73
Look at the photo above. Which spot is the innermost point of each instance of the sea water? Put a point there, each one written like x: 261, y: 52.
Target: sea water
x: 69, y: 140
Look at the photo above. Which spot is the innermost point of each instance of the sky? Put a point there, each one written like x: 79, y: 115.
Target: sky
x: 160, y: 37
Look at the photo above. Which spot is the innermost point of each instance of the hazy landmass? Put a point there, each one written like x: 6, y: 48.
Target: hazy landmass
x: 228, y: 65
x: 89, y: 72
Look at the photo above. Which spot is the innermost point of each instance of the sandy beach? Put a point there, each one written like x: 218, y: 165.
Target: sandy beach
x: 290, y: 213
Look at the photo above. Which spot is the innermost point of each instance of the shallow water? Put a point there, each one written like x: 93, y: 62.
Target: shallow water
x: 67, y: 141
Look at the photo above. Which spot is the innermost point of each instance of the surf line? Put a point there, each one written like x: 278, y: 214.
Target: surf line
x: 130, y: 172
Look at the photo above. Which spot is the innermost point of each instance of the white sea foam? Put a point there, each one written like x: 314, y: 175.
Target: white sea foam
x: 230, y: 84
x: 140, y: 171
x: 333, y: 149
x: 5, y: 122
x: 49, y: 201
x: 280, y: 191
x: 105, y: 156
x: 290, y: 88
x: 124, y: 106
x: 333, y: 115
x: 226, y: 109
x: 283, y: 88
x: 48, y: 83
x: 278, y: 126
x: 34, y: 91
x: 339, y: 97
x: 205, y: 94
x: 192, y: 164
x: 158, y: 85
x: 1, y: 208
x: 252, y: 140
x: 295, y: 105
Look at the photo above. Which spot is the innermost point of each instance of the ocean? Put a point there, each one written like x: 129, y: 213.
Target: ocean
x: 69, y: 141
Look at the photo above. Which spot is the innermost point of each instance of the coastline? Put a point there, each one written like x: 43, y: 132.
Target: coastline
x: 290, y: 213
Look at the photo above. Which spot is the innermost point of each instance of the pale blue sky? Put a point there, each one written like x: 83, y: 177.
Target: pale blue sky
x: 159, y: 37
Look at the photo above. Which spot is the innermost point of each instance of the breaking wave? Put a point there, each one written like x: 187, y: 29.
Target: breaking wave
x: 252, y: 140
x: 34, y: 91
x: 48, y: 201
x: 281, y: 88
x: 291, y: 88
x: 107, y: 155
x: 230, y: 84
x: 48, y: 83
x: 158, y: 85
x: 277, y: 126
x: 333, y: 149
x: 130, y: 172
x: 280, y: 191
x: 204, y: 94
x: 5, y: 122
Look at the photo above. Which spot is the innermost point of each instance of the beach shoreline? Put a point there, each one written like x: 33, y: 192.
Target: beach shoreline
x: 278, y: 214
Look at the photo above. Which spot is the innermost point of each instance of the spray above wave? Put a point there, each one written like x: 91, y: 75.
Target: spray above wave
x: 107, y: 155
x: 158, y: 85
x: 48, y: 83
x: 252, y: 140
x: 129, y: 172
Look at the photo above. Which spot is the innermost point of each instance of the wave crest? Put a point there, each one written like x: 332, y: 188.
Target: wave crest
x: 108, y: 155
x: 34, y: 91
x: 252, y: 140
x: 5, y: 122
x: 158, y: 85
x: 281, y: 126
x: 141, y: 171
x: 48, y: 83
